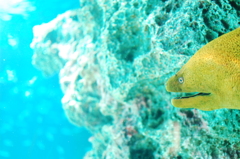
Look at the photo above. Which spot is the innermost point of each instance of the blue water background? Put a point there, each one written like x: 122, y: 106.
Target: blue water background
x: 32, y: 122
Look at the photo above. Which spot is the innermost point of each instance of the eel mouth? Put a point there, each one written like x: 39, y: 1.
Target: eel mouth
x: 190, y: 95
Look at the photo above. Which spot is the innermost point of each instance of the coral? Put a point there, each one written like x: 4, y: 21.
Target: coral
x: 114, y: 58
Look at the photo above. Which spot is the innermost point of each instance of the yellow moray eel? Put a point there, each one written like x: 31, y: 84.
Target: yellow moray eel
x: 212, y: 74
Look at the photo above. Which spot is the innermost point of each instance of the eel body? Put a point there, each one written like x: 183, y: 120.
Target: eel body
x: 211, y: 78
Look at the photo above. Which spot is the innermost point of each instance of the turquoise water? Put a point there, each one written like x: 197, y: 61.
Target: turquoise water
x: 113, y: 58
x: 32, y: 122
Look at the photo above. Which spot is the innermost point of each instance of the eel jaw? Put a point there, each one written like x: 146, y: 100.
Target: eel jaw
x: 193, y: 94
x: 197, y: 100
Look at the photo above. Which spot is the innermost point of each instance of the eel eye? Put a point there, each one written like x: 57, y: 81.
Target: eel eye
x: 180, y: 80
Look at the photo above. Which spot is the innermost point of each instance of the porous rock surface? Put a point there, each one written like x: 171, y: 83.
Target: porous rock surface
x: 114, y: 58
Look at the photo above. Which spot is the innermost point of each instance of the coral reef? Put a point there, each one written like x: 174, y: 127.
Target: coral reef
x: 114, y: 58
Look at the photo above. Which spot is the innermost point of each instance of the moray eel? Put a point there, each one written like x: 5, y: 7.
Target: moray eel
x: 211, y: 78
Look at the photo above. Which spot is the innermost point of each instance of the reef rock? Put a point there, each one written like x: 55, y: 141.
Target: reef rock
x: 114, y: 58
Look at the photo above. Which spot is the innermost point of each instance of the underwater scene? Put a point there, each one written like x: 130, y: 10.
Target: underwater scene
x: 119, y: 79
x: 33, y: 124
